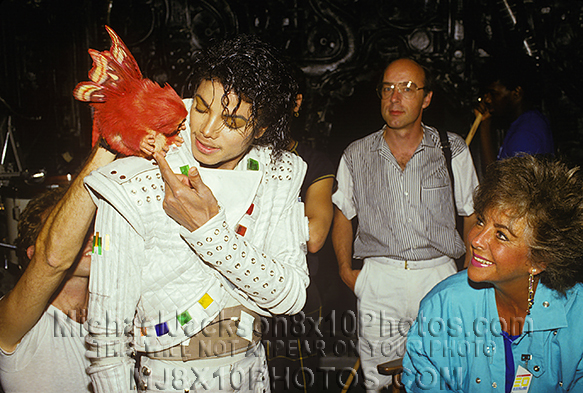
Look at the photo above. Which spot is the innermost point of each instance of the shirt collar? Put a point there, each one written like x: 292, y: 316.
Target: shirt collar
x: 379, y: 141
x: 250, y: 162
x: 380, y: 144
x: 548, y: 311
x: 427, y: 140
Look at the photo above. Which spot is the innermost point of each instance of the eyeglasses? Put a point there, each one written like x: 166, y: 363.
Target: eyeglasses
x: 407, y: 89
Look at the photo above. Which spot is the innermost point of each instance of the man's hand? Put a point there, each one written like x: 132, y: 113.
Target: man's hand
x: 155, y: 142
x: 342, y: 242
x: 349, y: 277
x: 488, y: 150
x: 187, y: 199
x: 483, y: 109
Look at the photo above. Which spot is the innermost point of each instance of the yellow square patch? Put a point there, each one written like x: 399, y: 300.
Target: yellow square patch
x: 206, y: 301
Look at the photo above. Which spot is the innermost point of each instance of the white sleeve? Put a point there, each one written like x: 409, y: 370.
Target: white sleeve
x: 275, y: 276
x: 343, y: 197
x: 114, y: 292
x: 465, y: 182
x: 26, y: 349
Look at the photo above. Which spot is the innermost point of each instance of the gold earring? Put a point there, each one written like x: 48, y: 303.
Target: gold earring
x: 530, y: 291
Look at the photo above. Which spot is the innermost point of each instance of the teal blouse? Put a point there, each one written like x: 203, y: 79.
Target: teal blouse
x: 456, y: 345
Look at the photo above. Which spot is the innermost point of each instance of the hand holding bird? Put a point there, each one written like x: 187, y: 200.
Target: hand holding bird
x: 134, y: 115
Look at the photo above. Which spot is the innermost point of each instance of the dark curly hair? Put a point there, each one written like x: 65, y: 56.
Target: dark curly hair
x: 32, y: 219
x: 255, y: 72
x: 549, y: 195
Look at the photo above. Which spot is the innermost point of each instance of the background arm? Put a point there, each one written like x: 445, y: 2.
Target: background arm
x: 56, y: 248
x: 320, y: 211
x: 342, y: 237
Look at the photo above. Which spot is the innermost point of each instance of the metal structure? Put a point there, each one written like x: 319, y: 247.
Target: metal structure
x: 340, y: 45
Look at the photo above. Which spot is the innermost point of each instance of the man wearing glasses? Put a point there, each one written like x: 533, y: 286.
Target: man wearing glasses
x: 396, y: 182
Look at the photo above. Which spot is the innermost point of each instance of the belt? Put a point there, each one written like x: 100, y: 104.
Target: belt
x: 156, y: 375
x: 218, y: 339
x: 412, y: 265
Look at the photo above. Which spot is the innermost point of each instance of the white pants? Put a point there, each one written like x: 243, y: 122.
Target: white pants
x: 388, y: 302
x: 246, y: 372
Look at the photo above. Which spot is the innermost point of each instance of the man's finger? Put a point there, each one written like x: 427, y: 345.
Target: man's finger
x: 168, y: 176
x: 194, y: 178
x: 197, y: 184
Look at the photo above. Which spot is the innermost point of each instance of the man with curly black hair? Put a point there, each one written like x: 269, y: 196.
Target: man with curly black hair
x: 188, y: 263
x: 247, y: 67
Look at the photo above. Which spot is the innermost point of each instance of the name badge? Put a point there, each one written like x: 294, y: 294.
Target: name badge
x: 522, y: 380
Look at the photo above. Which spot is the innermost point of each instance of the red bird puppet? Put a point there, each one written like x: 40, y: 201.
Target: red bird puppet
x: 130, y: 112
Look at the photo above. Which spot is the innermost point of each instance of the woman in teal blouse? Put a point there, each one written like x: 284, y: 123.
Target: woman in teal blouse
x: 512, y: 321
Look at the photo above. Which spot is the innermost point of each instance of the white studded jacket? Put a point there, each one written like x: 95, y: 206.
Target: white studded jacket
x: 154, y: 284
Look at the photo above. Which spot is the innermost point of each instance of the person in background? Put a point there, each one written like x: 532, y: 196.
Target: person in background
x: 512, y: 92
x: 513, y: 318
x: 42, y: 339
x: 396, y: 182
x: 318, y: 184
x: 316, y: 193
x: 190, y: 261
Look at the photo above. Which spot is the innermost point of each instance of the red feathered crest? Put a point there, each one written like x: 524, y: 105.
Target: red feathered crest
x: 128, y: 109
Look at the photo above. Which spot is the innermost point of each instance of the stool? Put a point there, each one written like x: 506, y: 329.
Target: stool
x: 394, y: 368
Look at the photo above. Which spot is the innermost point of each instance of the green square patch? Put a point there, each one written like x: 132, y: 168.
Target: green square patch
x: 184, y: 318
x: 252, y: 165
x: 184, y: 169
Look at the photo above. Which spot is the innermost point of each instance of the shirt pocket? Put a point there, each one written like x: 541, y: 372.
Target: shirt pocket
x: 437, y: 200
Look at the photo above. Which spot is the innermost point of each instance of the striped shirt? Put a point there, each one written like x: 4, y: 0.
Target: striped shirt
x: 405, y: 214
